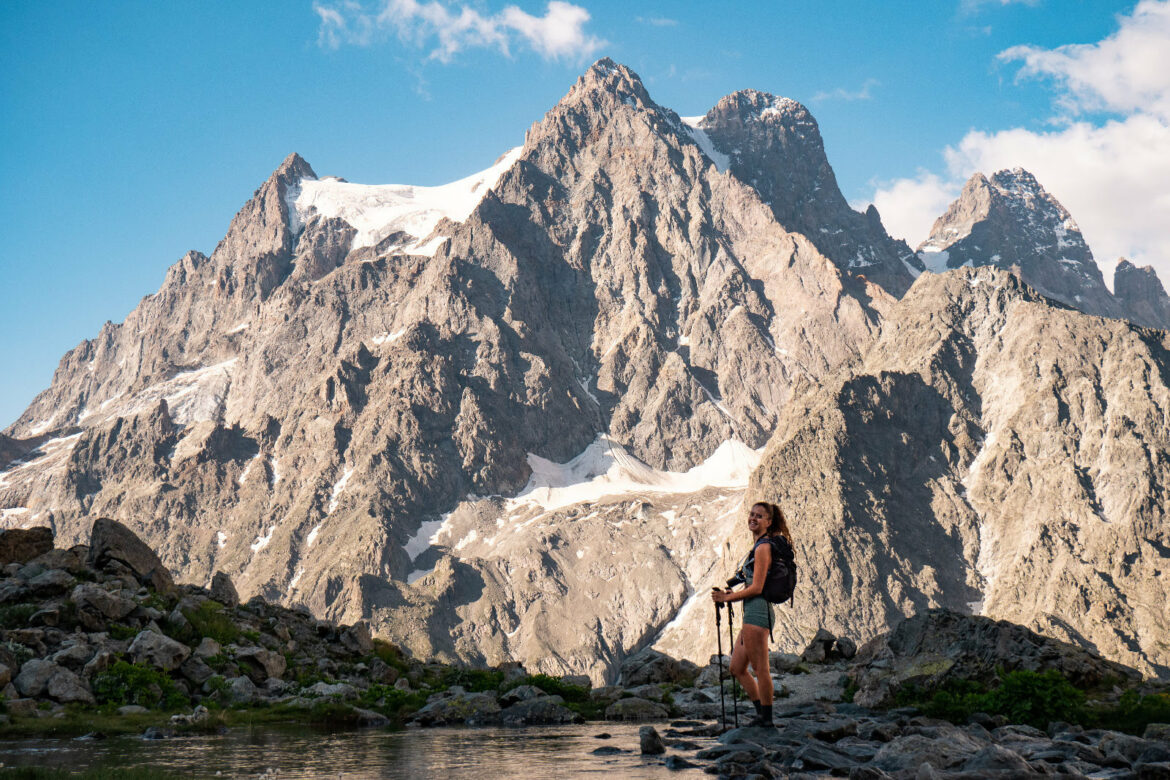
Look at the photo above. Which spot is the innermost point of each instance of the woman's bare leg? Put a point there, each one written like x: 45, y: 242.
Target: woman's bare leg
x: 740, y: 656
x: 755, y: 641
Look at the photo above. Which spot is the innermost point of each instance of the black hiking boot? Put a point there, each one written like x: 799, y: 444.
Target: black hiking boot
x: 763, y: 717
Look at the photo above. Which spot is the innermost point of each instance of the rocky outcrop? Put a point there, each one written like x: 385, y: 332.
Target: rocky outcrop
x: 990, y: 454
x: 21, y: 545
x: 1009, y: 221
x: 1140, y: 292
x: 935, y: 647
x: 773, y: 144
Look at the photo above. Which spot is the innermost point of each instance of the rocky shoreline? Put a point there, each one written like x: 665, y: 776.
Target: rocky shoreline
x: 98, y: 640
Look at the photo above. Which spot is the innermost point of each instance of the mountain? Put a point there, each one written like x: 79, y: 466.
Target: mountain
x: 1011, y: 222
x: 515, y: 416
x: 1142, y: 295
x: 990, y: 453
x: 305, y: 407
x: 774, y: 145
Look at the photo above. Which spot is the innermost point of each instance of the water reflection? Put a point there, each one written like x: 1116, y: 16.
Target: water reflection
x: 486, y: 753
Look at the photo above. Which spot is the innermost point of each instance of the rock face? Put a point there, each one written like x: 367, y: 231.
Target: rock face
x: 1141, y: 293
x: 938, y: 645
x: 1011, y: 222
x: 524, y: 430
x: 773, y: 144
x: 112, y: 542
x: 21, y: 545
x: 989, y: 454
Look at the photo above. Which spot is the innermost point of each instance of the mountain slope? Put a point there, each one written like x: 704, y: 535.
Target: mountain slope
x: 990, y: 453
x: 300, y: 408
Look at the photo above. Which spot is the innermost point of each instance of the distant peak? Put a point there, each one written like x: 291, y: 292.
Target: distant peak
x: 754, y: 105
x: 1016, y: 178
x: 293, y: 169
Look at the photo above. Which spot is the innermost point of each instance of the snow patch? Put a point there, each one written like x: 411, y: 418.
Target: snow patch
x: 292, y: 584
x: 387, y: 336
x: 605, y: 468
x: 313, y: 535
x: 378, y: 210
x: 721, y: 160
x: 192, y: 396
x: 338, y: 489
x: 221, y: 539
x: 242, y: 326
x: 248, y: 468
x: 262, y: 541
x: 935, y: 260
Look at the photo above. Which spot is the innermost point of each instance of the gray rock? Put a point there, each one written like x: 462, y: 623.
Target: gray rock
x: 678, y: 763
x: 817, y: 757
x: 260, y: 664
x: 66, y: 687
x: 241, y: 690
x: 20, y: 545
x: 338, y: 690
x: 74, y: 656
x: 650, y: 742
x: 132, y: 709
x: 51, y: 583
x: 93, y: 597
x: 370, y: 719
x: 158, y: 650
x: 648, y: 692
x: 223, y: 590
x: 357, y: 639
x: 520, y: 693
x: 21, y: 708
x: 542, y: 710
x: 651, y: 666
x: 996, y: 758
x: 473, y: 709
x: 5, y: 675
x: 102, y: 660
x: 1158, y: 731
x: 34, y: 677
x: 112, y: 541
x: 579, y: 680
x: 1141, y: 295
x: 635, y: 709
x: 208, y: 648
x: 195, y: 670
x: 819, y: 648
x: 912, y: 750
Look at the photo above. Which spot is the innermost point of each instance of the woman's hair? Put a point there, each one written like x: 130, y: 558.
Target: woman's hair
x: 777, y: 523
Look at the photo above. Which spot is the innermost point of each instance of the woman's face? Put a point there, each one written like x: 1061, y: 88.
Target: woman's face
x: 758, y: 519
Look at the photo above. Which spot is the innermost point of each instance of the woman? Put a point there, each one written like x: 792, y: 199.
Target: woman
x: 765, y: 520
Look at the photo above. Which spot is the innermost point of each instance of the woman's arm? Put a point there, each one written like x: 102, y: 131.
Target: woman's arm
x: 760, y: 573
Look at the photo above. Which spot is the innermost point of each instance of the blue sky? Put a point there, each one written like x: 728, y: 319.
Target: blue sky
x: 132, y: 132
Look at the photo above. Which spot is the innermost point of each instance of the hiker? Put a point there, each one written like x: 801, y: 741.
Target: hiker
x: 770, y: 532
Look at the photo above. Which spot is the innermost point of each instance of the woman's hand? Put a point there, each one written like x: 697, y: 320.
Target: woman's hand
x: 721, y: 596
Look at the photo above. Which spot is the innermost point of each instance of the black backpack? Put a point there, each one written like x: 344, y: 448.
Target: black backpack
x: 781, y: 579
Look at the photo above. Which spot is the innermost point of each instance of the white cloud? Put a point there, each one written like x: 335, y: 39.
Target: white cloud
x: 843, y: 94
x: 656, y: 21
x: 448, y: 29
x: 1127, y: 72
x: 1110, y: 175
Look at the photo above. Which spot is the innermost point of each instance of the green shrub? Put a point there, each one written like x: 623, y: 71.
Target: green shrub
x: 390, y: 655
x: 127, y: 683
x: 122, y: 631
x: 1033, y: 698
x: 1132, y: 713
x: 16, y: 615
x: 208, y: 619
x: 476, y: 680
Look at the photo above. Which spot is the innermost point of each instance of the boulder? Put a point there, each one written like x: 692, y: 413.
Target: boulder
x: 520, y: 693
x: 651, y: 666
x: 74, y: 656
x: 34, y: 677
x: 648, y: 692
x: 845, y: 648
x: 539, y: 711
x: 241, y: 690
x: 195, y: 670
x: 1158, y: 731
x: 224, y: 591
x: 578, y: 680
x: 5, y: 675
x: 21, y: 545
x: 819, y: 649
x: 51, y: 582
x: 650, y: 742
x: 66, y: 687
x: 71, y: 560
x: 91, y: 597
x: 473, y: 709
x: 110, y: 541
x: 208, y: 648
x: 102, y: 660
x: 158, y: 650
x: 260, y: 664
x: 357, y: 639
x: 339, y: 690
x: 635, y: 709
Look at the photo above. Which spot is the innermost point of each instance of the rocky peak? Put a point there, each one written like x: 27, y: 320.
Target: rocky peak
x: 1141, y: 293
x: 773, y: 145
x: 1012, y: 222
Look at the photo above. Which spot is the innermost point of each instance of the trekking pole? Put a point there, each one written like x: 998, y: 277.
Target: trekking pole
x: 719, y: 644
x: 731, y: 639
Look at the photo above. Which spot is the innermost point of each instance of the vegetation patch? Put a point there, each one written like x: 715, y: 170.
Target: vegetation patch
x: 208, y: 619
x: 127, y: 683
x: 16, y: 615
